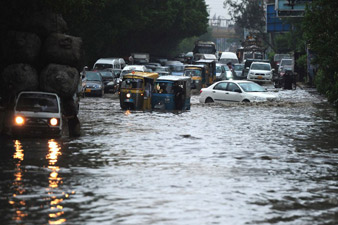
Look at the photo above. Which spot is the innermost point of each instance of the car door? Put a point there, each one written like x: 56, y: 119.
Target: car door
x: 233, y: 93
x: 218, y: 92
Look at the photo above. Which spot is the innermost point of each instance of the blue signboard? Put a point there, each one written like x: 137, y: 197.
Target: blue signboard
x: 288, y: 8
x: 273, y: 23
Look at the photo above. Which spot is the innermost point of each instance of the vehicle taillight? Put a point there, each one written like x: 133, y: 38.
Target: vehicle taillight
x: 19, y: 120
x: 53, y: 121
x: 201, y: 91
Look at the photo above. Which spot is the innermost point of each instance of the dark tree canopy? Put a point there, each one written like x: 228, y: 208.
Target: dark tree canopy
x: 320, y: 26
x: 119, y: 27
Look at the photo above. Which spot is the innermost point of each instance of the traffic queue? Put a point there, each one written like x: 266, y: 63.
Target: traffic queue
x: 150, y: 84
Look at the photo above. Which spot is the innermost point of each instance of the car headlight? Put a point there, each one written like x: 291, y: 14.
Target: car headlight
x: 251, y: 73
x: 19, y: 120
x: 53, y: 121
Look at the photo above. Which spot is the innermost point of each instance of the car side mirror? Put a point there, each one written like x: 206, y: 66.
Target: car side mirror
x: 238, y: 90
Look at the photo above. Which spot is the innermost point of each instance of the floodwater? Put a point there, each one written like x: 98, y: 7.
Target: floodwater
x: 267, y: 163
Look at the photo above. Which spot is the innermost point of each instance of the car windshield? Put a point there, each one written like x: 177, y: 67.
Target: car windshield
x: 132, y: 83
x: 257, y: 66
x: 286, y: 62
x: 107, y: 74
x: 164, y: 88
x: 37, y: 103
x: 192, y: 73
x: 102, y: 66
x: 176, y: 68
x: 251, y: 87
x: 93, y: 76
x: 239, y: 67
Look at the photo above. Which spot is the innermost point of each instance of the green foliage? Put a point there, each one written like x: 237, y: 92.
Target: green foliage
x: 302, y: 62
x: 320, y: 26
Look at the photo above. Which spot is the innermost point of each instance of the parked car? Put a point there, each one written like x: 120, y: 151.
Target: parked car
x: 94, y: 84
x: 235, y: 91
x: 37, y: 114
x: 238, y: 71
x: 260, y: 72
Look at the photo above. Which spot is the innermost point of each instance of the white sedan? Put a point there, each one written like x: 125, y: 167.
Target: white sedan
x: 235, y: 91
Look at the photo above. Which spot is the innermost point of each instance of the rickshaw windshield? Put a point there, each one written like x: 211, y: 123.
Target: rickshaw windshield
x: 164, y: 88
x: 193, y: 73
x: 132, y: 83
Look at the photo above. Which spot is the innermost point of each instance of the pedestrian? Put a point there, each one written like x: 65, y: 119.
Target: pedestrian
x: 131, y: 60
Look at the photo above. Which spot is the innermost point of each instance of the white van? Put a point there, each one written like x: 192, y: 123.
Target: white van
x: 106, y: 63
x: 227, y: 57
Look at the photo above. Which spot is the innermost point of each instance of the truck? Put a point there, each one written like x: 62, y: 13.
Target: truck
x: 203, y: 47
x: 140, y: 58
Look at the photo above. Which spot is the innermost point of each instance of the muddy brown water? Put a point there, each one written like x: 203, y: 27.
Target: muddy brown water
x: 265, y: 163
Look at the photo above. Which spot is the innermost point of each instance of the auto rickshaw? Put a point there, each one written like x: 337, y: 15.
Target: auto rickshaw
x: 136, y: 90
x: 210, y: 73
x: 197, y: 74
x: 172, y: 93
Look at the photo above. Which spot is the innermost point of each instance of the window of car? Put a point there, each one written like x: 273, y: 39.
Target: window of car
x: 260, y: 66
x: 252, y: 87
x: 239, y: 67
x: 221, y: 86
x: 233, y: 87
x: 37, y: 103
x: 93, y: 76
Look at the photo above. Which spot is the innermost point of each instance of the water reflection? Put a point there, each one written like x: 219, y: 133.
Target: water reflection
x: 54, y: 180
x: 21, y: 198
x: 18, y: 186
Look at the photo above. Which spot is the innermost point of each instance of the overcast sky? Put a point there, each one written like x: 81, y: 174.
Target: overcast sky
x: 216, y: 7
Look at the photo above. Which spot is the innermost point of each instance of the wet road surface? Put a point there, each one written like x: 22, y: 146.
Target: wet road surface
x: 266, y: 163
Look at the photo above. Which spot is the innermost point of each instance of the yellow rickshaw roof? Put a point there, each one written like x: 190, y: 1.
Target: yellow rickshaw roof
x: 148, y: 75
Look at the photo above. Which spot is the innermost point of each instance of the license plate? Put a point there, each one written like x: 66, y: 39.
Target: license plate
x: 128, y: 100
x: 88, y: 90
x: 260, y: 77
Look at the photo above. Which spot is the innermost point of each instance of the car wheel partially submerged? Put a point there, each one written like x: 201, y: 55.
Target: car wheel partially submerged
x: 209, y: 100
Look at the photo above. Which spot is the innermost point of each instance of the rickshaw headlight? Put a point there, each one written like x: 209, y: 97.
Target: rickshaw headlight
x: 197, y: 81
x: 53, y: 121
x: 19, y: 120
x: 128, y: 95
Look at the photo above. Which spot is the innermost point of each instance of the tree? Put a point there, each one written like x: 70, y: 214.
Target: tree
x: 320, y: 26
x: 250, y: 15
x: 119, y: 27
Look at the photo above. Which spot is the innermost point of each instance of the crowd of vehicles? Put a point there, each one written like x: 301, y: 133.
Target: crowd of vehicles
x: 161, y: 84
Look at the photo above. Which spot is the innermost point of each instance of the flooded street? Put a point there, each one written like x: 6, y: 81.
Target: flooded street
x: 266, y: 163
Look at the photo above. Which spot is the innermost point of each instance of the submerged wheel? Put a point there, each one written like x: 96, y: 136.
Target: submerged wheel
x: 209, y: 100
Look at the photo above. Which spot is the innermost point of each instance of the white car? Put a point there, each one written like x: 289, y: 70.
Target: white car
x: 260, y: 72
x: 37, y: 114
x: 235, y: 91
